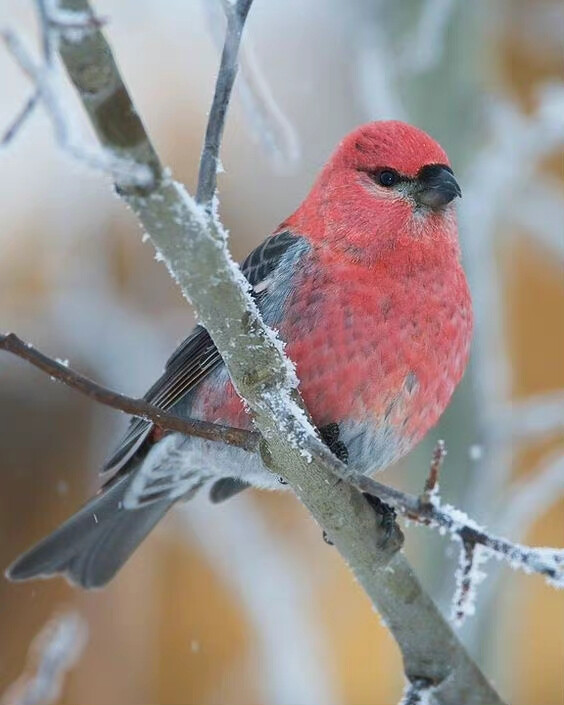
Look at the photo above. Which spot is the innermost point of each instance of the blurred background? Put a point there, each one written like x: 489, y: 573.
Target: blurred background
x: 244, y: 603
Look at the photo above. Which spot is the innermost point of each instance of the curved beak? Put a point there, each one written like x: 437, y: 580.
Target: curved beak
x: 436, y: 186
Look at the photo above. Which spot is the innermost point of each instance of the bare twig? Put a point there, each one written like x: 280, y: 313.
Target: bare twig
x: 249, y: 440
x: 524, y: 502
x: 265, y: 118
x: 54, y: 651
x: 21, y: 118
x: 432, y: 482
x: 207, y: 177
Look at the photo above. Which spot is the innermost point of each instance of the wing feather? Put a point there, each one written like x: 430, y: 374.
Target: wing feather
x: 196, y: 357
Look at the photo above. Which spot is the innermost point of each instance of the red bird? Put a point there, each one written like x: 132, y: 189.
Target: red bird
x: 364, y: 284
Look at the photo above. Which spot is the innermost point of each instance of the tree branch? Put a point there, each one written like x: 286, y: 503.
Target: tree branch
x: 207, y: 177
x: 20, y: 119
x: 545, y: 561
x: 425, y: 509
x: 192, y: 243
x: 248, y: 440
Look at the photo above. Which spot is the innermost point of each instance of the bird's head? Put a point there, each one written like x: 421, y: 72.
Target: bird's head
x: 386, y: 183
x: 394, y: 162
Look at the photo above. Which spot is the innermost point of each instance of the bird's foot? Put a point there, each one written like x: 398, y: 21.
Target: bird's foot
x: 385, y: 513
x: 330, y: 436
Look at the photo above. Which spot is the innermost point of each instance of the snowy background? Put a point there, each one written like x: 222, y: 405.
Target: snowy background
x: 244, y: 603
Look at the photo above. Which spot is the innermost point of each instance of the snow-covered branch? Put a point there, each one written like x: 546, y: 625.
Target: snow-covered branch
x: 447, y: 519
x: 124, y: 171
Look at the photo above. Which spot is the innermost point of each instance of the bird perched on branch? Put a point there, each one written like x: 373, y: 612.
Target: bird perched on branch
x: 365, y: 286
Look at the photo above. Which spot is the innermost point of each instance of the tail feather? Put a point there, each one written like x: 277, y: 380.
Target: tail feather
x: 91, y: 546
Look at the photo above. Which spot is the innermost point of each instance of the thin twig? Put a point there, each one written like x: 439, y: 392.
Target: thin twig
x: 48, y: 38
x: 431, y: 487
x: 248, y: 440
x: 545, y: 561
x: 207, y: 177
x: 462, y: 601
x: 265, y: 119
x: 21, y: 118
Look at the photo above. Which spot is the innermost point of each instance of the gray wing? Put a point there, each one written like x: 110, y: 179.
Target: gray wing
x: 196, y: 357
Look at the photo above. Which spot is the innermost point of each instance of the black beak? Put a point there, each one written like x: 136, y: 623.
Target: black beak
x: 436, y: 186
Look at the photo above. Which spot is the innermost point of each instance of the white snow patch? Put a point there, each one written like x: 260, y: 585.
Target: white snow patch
x: 476, y: 452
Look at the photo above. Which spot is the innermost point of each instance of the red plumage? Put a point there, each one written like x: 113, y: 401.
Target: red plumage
x: 380, y: 304
x: 365, y: 286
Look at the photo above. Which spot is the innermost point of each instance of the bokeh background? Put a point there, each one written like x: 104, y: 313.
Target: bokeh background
x: 244, y: 603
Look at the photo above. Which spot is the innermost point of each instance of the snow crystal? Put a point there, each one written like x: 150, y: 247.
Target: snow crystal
x: 417, y: 693
x: 475, y: 452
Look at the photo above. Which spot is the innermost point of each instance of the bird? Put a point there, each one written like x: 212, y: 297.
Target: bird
x: 364, y: 284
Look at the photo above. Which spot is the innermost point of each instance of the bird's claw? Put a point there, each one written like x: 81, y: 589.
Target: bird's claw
x: 386, y: 514
x: 330, y: 436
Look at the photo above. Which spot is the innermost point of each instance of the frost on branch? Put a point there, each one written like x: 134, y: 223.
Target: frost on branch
x: 54, y: 651
x: 73, y: 25
x: 477, y: 543
x: 46, y: 79
x: 468, y: 576
x: 418, y: 692
x: 279, y: 388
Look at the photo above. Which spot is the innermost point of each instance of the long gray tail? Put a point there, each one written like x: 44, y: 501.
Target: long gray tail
x: 91, y: 546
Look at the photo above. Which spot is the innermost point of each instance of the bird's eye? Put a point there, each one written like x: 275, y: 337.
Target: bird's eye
x: 388, y: 178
